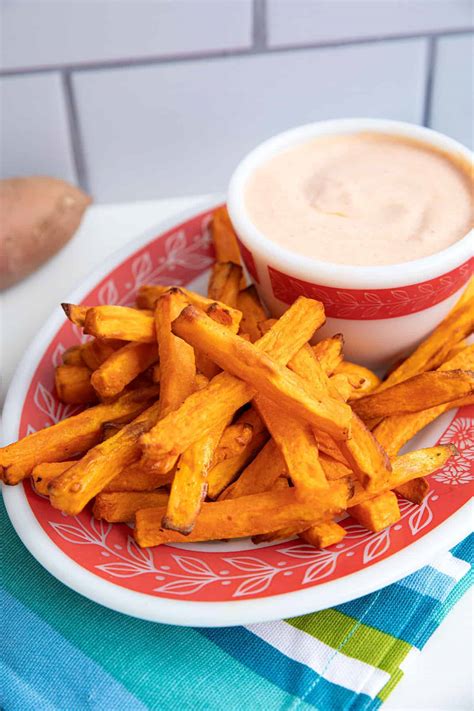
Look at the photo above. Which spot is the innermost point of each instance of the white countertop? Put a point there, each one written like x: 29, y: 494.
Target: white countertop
x: 441, y: 678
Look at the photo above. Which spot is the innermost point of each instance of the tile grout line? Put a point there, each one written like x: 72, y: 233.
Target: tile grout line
x: 74, y: 131
x: 430, y: 75
x: 260, y: 24
x: 226, y: 53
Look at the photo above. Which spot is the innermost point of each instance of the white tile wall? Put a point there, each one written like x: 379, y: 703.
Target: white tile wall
x: 307, y: 21
x: 52, y: 32
x: 453, y: 88
x: 181, y: 129
x: 34, y: 132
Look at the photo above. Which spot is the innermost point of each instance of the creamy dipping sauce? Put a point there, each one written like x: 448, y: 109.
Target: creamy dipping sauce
x: 362, y: 199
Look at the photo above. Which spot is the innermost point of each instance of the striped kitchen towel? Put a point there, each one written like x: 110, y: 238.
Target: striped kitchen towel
x: 61, y: 651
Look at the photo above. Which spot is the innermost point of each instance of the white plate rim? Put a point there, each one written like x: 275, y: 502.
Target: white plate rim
x: 187, y: 612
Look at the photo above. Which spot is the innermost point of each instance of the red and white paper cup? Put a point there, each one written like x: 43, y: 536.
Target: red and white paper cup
x: 383, y: 311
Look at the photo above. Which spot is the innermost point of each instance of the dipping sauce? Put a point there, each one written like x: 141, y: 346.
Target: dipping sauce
x: 362, y: 199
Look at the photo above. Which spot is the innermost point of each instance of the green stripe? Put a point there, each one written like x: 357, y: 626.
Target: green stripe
x: 354, y: 639
x: 157, y: 663
x: 390, y: 685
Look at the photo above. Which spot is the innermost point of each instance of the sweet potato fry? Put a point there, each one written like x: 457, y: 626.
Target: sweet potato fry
x: 224, y: 283
x: 234, y: 439
x: 148, y: 295
x: 189, y: 486
x: 406, y: 467
x: 329, y: 352
x: 225, y: 394
x: 69, y: 437
x: 137, y: 477
x: 246, y: 516
x: 122, y: 367
x: 362, y: 451
x: 96, y: 351
x: 430, y: 354
x: 259, y: 475
x: 120, y: 322
x: 417, y: 393
x: 73, y: 384
x: 276, y: 382
x: 177, y: 364
x: 414, y: 490
x: 253, y: 313
x: 345, y: 385
x: 368, y: 381
x: 71, y: 491
x: 42, y: 474
x: 224, y: 238
x: 324, y: 534
x: 72, y: 356
x: 120, y: 507
x: 394, y: 432
x: 296, y: 442
x: 377, y: 513
x: 75, y: 313
x: 224, y: 473
x: 334, y: 469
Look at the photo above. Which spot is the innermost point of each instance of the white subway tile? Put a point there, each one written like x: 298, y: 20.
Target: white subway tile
x: 181, y: 129
x: 34, y: 133
x: 292, y: 22
x: 53, y: 32
x: 453, y: 88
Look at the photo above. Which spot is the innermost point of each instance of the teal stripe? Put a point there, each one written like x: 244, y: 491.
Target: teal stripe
x: 79, y: 683
x: 156, y: 663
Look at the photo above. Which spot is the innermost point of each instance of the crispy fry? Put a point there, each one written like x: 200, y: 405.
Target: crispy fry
x: 76, y: 314
x: 224, y: 237
x: 96, y: 351
x: 177, y: 365
x: 42, y: 474
x: 136, y: 477
x: 72, y: 356
x: 69, y: 437
x: 224, y: 283
x: 296, y: 442
x: 377, y: 513
x: 234, y: 439
x: 189, y: 486
x: 71, y: 491
x: 224, y: 473
x: 430, y: 354
x: 324, y: 534
x: 394, y: 432
x: 122, y: 367
x: 367, y: 379
x: 417, y: 393
x: 120, y: 322
x: 329, y: 352
x: 148, y: 295
x: 221, y: 315
x: 225, y: 394
x: 414, y: 490
x: 259, y: 475
x: 276, y: 382
x: 73, y: 384
x: 120, y: 507
x: 253, y: 313
x: 406, y: 467
x: 345, y: 385
x: 246, y: 516
x: 333, y: 468
x: 362, y: 451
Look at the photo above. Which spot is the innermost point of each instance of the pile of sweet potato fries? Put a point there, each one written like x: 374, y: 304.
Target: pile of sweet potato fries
x: 209, y: 420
